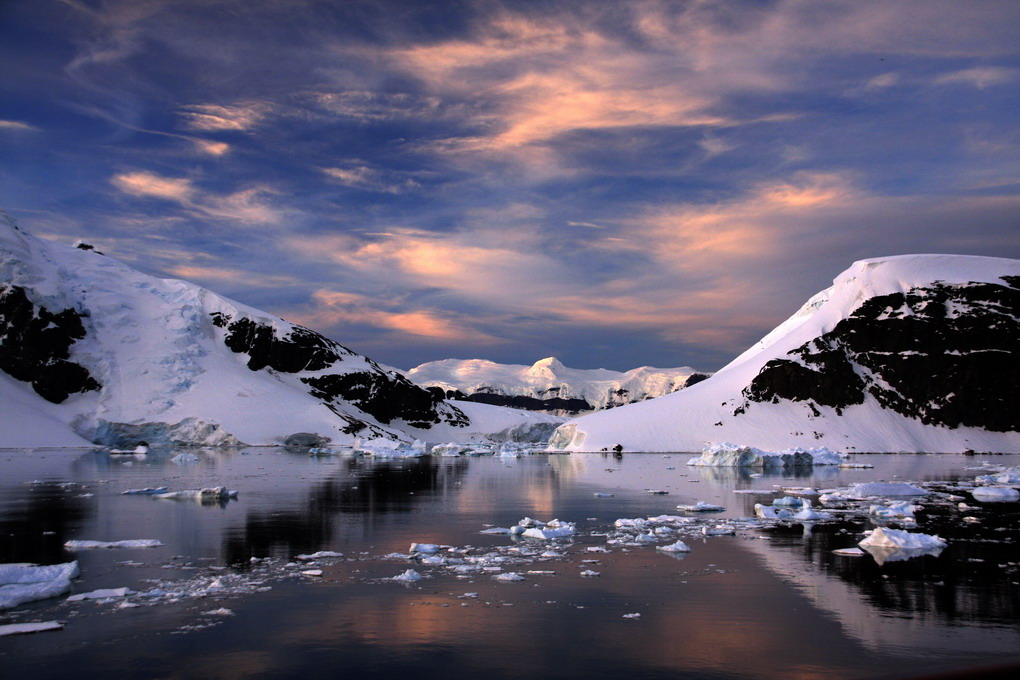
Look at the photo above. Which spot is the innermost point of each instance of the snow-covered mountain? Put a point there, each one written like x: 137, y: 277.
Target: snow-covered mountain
x: 548, y: 385
x: 93, y: 351
x: 907, y: 353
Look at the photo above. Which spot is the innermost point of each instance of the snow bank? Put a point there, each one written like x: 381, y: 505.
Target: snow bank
x: 21, y: 582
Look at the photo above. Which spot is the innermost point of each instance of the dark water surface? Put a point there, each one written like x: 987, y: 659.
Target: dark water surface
x: 766, y: 603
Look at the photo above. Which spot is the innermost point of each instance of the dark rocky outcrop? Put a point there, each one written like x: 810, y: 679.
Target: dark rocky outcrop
x: 35, y: 346
x: 943, y: 354
x: 553, y: 404
x: 300, y: 350
x: 385, y: 396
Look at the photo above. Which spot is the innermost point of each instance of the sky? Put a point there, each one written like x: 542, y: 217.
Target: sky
x: 616, y: 184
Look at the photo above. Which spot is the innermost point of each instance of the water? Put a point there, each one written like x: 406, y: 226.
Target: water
x: 762, y: 604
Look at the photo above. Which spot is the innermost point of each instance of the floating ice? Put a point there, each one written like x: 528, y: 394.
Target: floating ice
x: 22, y: 582
x: 701, y: 506
x: 890, y: 545
x: 635, y: 615
x: 212, y: 493
x: 789, y: 502
x: 409, y: 576
x: 808, y: 514
x: 770, y: 512
x: 995, y: 494
x: 147, y: 491
x: 553, y: 529
x: 732, y: 455
x: 185, y: 458
x: 898, y: 510
x: 719, y: 530
x: 870, y: 489
x: 312, y: 572
x: 425, y: 548
x: 678, y: 547
x: 602, y: 494
x: 133, y: 543
x: 508, y: 577
x: 318, y: 555
x: 22, y: 628
x: 588, y: 573
x: 849, y: 552
x: 101, y: 594
x: 1008, y: 476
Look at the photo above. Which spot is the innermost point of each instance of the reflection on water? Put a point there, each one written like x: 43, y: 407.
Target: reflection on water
x: 765, y: 602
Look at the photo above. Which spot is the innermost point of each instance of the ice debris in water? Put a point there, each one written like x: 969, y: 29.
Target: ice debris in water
x: 22, y: 582
x: 634, y: 615
x: 894, y: 510
x: 508, y: 577
x: 732, y: 455
x: 701, y: 506
x: 22, y: 628
x: 409, y: 576
x: 147, y: 491
x: 677, y: 547
x: 995, y: 494
x: 552, y: 529
x: 102, y: 594
x: 888, y: 545
x: 185, y: 458
x: 1007, y: 476
x: 212, y: 493
x: 318, y: 555
x: 132, y: 543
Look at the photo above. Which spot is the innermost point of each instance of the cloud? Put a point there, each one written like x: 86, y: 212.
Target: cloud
x: 246, y: 205
x: 369, y: 179
x: 979, y: 77
x: 236, y: 117
x: 222, y: 275
x: 147, y: 184
x: 17, y: 126
x: 330, y: 308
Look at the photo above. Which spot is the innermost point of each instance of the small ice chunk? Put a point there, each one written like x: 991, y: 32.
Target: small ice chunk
x: 602, y: 494
x: 147, y: 491
x: 222, y: 611
x: 849, y: 552
x: 701, y: 506
x: 312, y: 572
x: 719, y: 530
x: 496, y: 531
x: 770, y: 512
x: 22, y: 628
x: 634, y: 615
x: 212, y: 493
x: 425, y: 548
x: 508, y: 577
x: 995, y: 494
x: 788, y: 502
x: 409, y: 576
x: 677, y: 547
x: 901, y: 510
x: 886, y: 541
x: 807, y: 514
x: 588, y: 573
x: 101, y: 594
x: 318, y: 555
x: 185, y: 458
x: 132, y: 543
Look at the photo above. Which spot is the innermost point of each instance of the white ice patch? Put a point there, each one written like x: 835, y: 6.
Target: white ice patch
x: 102, y: 594
x: 212, y: 493
x: 677, y: 547
x: 21, y: 582
x: 890, y: 545
x: 732, y: 455
x: 22, y: 628
x: 995, y: 494
x: 132, y: 543
x: 701, y: 506
x: 409, y: 576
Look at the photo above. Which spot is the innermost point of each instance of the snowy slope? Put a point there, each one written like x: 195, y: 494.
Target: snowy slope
x: 907, y: 353
x: 92, y: 350
x: 549, y: 385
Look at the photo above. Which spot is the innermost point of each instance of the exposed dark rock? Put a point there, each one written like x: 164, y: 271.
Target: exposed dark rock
x: 299, y: 350
x: 558, y: 404
x: 694, y: 379
x: 35, y: 346
x: 386, y: 397
x: 945, y: 354
x: 305, y: 440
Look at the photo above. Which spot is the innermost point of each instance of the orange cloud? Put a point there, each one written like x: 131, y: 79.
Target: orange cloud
x: 246, y: 205
x: 147, y: 184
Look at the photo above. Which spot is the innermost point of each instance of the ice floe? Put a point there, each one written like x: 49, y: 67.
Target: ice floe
x: 995, y: 494
x: 209, y: 494
x: 701, y: 506
x: 131, y: 543
x: 23, y: 582
x: 890, y: 545
x: 676, y: 547
x: 22, y: 628
x: 102, y: 594
x: 733, y: 455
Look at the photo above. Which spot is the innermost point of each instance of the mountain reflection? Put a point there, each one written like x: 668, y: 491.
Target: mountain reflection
x: 363, y: 488
x: 36, y: 520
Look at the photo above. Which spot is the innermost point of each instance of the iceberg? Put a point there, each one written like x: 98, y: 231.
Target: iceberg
x: 995, y: 494
x: 678, y: 547
x: 23, y: 582
x: 102, y: 594
x: 892, y: 545
x: 209, y: 494
x: 21, y: 628
x: 552, y: 529
x: 701, y: 506
x: 732, y: 455
x: 133, y: 543
x: 409, y: 576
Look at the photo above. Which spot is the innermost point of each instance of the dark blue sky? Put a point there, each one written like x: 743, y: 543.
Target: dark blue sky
x: 613, y: 183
